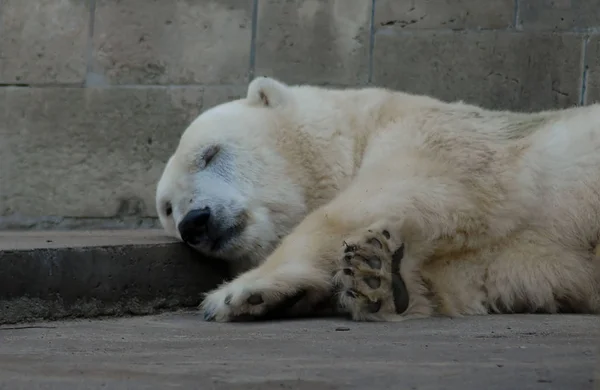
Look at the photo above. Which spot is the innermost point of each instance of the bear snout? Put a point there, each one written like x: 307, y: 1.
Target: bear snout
x: 193, y: 226
x: 210, y: 231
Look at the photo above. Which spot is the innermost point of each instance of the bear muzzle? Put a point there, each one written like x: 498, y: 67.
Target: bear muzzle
x: 193, y: 226
x: 202, y: 229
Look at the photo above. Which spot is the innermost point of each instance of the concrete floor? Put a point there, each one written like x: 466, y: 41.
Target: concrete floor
x: 180, y: 351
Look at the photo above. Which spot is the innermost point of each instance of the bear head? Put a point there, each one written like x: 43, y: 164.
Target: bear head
x: 243, y: 174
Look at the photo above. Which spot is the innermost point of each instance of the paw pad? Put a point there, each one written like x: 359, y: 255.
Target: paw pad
x: 373, y: 307
x: 255, y: 299
x: 373, y: 281
x: 374, y: 262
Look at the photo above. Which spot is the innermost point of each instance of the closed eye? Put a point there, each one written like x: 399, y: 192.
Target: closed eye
x: 208, y: 154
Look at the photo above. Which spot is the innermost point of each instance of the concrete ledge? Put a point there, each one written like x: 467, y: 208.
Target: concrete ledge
x: 54, y: 275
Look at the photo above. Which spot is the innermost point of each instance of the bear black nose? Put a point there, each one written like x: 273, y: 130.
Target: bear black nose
x: 193, y: 226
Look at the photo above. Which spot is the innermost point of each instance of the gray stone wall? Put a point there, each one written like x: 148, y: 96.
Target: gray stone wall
x: 94, y: 94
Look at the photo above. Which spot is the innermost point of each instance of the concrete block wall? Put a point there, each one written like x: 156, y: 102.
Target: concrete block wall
x: 94, y: 94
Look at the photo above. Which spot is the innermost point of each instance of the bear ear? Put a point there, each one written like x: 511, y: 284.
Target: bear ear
x: 267, y: 92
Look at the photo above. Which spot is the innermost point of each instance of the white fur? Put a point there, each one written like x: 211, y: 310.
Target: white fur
x: 498, y: 211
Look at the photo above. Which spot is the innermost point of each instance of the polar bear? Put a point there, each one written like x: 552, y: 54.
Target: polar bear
x: 392, y: 205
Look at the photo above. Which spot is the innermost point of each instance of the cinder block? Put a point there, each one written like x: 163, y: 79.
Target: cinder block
x: 559, y: 15
x: 592, y: 64
x: 451, y: 14
x: 43, y: 41
x: 321, y: 42
x: 172, y: 42
x: 88, y: 152
x: 502, y: 70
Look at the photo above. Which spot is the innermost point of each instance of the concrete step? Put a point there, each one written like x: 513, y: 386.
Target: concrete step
x: 70, y: 274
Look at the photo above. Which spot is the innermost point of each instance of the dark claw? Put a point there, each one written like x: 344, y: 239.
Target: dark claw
x: 348, y: 258
x: 208, y: 316
x: 349, y: 248
x: 348, y: 271
x: 351, y: 293
x: 374, y: 307
x: 255, y: 299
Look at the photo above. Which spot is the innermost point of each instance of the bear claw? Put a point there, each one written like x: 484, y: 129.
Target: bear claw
x: 208, y: 316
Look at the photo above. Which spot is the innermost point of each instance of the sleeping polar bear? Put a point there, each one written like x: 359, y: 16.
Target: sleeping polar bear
x: 392, y: 205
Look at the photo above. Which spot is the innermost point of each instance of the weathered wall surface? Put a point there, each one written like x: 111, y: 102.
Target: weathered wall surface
x: 95, y: 93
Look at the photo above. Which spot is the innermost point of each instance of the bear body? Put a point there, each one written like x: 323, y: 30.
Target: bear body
x: 396, y: 206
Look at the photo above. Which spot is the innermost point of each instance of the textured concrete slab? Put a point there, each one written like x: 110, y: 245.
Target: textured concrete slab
x: 112, y: 142
x: 321, y: 42
x: 179, y: 350
x: 495, y: 69
x: 43, y: 41
x: 466, y: 14
x: 592, y: 57
x: 572, y: 15
x: 172, y: 42
x: 18, y: 240
x: 53, y: 275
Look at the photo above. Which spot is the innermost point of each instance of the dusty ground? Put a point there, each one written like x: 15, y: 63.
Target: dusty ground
x: 180, y: 351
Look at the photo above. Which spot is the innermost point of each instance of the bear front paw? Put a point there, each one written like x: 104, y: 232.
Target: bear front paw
x: 369, y: 276
x: 240, y: 301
